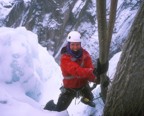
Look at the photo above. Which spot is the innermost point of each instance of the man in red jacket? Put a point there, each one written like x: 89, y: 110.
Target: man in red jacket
x: 78, y: 71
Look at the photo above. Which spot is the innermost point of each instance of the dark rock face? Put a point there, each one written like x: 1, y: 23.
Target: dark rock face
x: 52, y: 20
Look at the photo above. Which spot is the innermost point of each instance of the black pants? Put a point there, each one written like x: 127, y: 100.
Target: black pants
x: 68, y: 95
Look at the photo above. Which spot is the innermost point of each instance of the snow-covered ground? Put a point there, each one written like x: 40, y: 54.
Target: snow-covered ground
x: 29, y: 77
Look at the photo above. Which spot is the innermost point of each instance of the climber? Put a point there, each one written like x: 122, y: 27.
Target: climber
x: 78, y: 71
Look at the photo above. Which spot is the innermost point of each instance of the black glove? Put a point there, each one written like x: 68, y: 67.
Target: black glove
x: 97, y: 80
x: 102, y: 68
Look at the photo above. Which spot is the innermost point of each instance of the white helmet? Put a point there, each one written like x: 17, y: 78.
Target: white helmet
x: 74, y: 36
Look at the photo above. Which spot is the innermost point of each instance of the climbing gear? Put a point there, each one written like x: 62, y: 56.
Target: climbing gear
x: 74, y: 36
x: 97, y: 80
x: 75, y: 92
x: 102, y: 68
x: 88, y: 102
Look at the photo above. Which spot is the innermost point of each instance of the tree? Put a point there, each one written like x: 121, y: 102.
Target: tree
x: 125, y: 95
x: 105, y: 34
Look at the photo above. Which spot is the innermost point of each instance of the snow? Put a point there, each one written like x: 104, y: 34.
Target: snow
x: 6, y: 1
x: 25, y: 68
x: 77, y: 8
x: 29, y: 77
x: 27, y: 0
x: 113, y: 64
x: 49, y: 23
x: 77, y: 5
x: 5, y: 8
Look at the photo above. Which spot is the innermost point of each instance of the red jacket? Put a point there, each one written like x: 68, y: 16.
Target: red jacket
x: 76, y: 72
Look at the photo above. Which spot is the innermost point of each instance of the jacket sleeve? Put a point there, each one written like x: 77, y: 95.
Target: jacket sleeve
x: 72, y: 68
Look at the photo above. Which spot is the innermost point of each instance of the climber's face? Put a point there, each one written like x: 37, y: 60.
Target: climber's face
x: 75, y: 46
